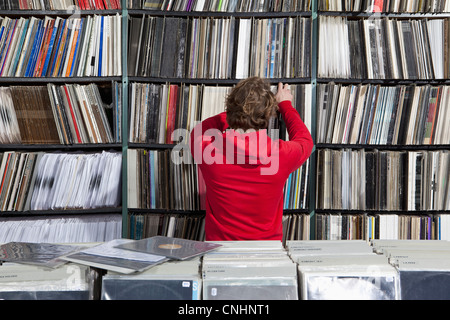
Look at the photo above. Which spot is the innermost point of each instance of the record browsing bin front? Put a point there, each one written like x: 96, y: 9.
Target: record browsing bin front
x: 258, y: 270
x: 68, y: 282
x: 172, y: 280
x: 423, y: 267
x: 252, y: 270
x: 343, y: 270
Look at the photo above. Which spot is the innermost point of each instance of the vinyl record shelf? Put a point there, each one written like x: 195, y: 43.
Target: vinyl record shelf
x: 232, y: 81
x: 45, y: 80
x: 59, y: 212
x: 399, y: 147
x: 62, y: 13
x: 125, y: 81
x: 65, y: 147
x: 217, y: 14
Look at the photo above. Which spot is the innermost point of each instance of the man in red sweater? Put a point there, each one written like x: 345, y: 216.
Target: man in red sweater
x: 243, y: 168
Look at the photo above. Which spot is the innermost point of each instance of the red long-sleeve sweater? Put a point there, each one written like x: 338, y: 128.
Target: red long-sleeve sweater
x: 245, y: 174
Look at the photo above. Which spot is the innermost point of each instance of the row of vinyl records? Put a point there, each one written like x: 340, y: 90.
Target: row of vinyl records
x: 397, y: 6
x: 377, y: 114
x: 296, y: 226
x: 157, y: 110
x: 401, y: 6
x: 61, y: 47
x: 367, y: 226
x: 383, y: 180
x: 219, y: 48
x: 54, y: 114
x: 60, y: 5
x: 47, y: 181
x: 383, y: 48
x: 222, y: 5
x: 157, y: 181
x: 61, y: 229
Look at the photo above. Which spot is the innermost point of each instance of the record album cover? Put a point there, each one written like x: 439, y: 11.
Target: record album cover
x: 43, y: 254
x: 107, y: 256
x: 169, y: 247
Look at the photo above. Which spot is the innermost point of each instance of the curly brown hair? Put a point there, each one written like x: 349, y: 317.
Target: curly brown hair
x: 250, y: 104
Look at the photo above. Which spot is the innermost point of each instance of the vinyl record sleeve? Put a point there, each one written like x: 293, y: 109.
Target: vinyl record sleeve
x: 34, y: 282
x: 107, y: 256
x: 119, y: 265
x: 169, y: 247
x: 424, y: 284
x: 43, y: 254
x: 117, y: 288
x: 360, y: 287
x: 44, y: 295
x: 250, y: 289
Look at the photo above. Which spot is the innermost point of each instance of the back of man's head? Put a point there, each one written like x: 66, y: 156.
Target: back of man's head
x: 250, y: 105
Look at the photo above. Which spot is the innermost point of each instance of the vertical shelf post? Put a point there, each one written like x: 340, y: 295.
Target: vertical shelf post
x: 124, y: 118
x: 312, y: 158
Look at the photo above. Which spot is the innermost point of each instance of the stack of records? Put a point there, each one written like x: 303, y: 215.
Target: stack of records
x: 306, y: 248
x: 249, y: 270
x: 382, y: 48
x: 221, y: 6
x: 423, y: 266
x: 56, y: 266
x: 36, y: 271
x: 33, y: 282
x: 76, y: 180
x: 219, y: 48
x: 68, y: 228
x: 132, y: 256
x: 385, y: 246
x: 397, y: 6
x: 67, y: 5
x: 48, y: 46
x: 341, y: 270
x: 122, y: 256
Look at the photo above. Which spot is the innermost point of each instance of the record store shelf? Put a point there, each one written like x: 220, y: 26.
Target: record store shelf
x: 45, y: 80
x: 219, y: 14
x: 60, y: 212
x: 164, y: 211
x: 57, y: 12
x: 151, y: 145
x: 384, y: 14
x: 392, y: 82
x: 60, y: 147
x: 378, y: 211
x: 383, y: 146
x: 125, y: 81
x: 168, y: 211
x: 212, y: 81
